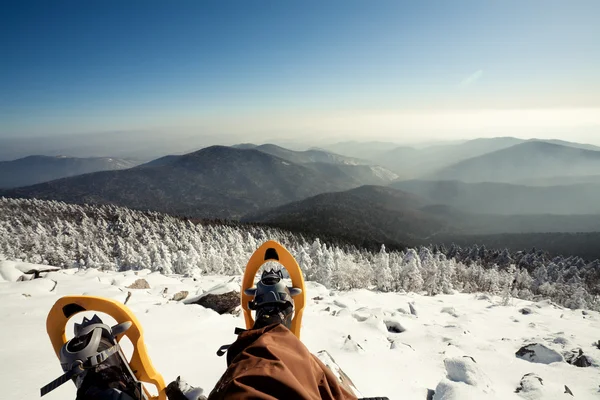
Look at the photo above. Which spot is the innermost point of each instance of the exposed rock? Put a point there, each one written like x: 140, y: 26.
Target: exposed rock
x: 430, y: 394
x: 568, y: 391
x: 531, y: 385
x: 402, y: 310
x: 351, y: 345
x: 413, y: 310
x: 538, y: 353
x: 139, y: 284
x: 394, y: 344
x: 318, y: 298
x: 180, y: 295
x: 36, y: 272
x: 560, y: 340
x: 221, y: 303
x: 526, y: 311
x: 394, y: 327
x: 577, y: 358
x: 450, y: 310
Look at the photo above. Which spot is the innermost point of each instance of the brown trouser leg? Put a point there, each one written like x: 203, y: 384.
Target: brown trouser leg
x: 271, y: 363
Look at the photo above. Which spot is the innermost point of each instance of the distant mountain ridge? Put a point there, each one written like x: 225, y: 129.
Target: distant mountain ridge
x: 508, y: 199
x: 422, y: 163
x: 388, y: 215
x: 36, y: 169
x: 373, y: 213
x: 529, y: 160
x: 309, y: 156
x: 215, y: 182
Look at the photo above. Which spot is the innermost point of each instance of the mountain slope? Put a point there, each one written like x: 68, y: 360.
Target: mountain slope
x: 414, y: 162
x: 355, y: 170
x: 365, y: 150
x: 215, y: 182
x: 309, y: 156
x: 503, y: 198
x: 530, y: 160
x: 387, y: 215
x: 371, y: 213
x: 36, y: 169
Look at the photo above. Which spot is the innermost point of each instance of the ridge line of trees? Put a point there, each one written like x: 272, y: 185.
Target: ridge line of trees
x: 116, y: 238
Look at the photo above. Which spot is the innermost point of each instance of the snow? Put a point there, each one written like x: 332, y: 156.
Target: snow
x: 432, y: 352
x: 539, y: 353
x: 12, y: 270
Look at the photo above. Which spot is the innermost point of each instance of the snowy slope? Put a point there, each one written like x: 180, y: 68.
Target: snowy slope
x: 183, y: 339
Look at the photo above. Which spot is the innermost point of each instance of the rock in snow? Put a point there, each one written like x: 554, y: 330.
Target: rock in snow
x: 180, y: 295
x: 139, y: 284
x: 464, y: 380
x: 351, y: 346
x: 413, y: 310
x: 538, y: 353
x: 450, y: 310
x: 394, y: 326
x: 578, y: 359
x: 531, y: 387
x: 221, y: 303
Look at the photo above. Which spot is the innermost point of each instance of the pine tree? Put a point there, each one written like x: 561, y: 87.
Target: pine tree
x: 383, y: 274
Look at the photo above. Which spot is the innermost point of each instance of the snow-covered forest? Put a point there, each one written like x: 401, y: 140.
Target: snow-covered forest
x: 115, y: 238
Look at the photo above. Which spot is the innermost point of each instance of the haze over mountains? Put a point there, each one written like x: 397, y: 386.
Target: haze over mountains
x: 530, y: 160
x: 215, y: 182
x: 507, y: 199
x: 387, y: 215
x: 36, y: 169
x: 478, y: 187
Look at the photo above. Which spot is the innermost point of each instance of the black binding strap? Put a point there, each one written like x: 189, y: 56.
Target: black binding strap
x: 79, y: 368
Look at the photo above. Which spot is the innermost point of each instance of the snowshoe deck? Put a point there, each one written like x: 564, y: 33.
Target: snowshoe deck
x: 273, y: 251
x: 140, y: 363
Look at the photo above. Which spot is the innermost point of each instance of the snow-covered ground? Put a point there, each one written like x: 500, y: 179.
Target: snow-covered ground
x: 429, y: 353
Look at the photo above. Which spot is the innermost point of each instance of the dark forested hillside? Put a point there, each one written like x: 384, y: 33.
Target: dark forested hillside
x: 36, y: 169
x: 215, y: 182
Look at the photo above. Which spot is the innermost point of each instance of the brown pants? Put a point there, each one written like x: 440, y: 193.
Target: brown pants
x: 272, y: 364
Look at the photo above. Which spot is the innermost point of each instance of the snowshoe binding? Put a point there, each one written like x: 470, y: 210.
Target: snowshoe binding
x: 272, y: 300
x: 95, y: 362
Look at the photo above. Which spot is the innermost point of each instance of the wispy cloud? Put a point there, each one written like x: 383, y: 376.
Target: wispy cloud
x: 471, y: 79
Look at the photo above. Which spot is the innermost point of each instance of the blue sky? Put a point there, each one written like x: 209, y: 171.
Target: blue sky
x: 92, y: 66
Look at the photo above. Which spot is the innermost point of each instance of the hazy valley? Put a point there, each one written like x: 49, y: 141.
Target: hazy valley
x: 455, y: 191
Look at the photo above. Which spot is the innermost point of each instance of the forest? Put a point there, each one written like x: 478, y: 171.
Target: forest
x: 116, y: 238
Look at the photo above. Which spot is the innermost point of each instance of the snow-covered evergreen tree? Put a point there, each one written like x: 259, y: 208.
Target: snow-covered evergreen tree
x: 110, y: 237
